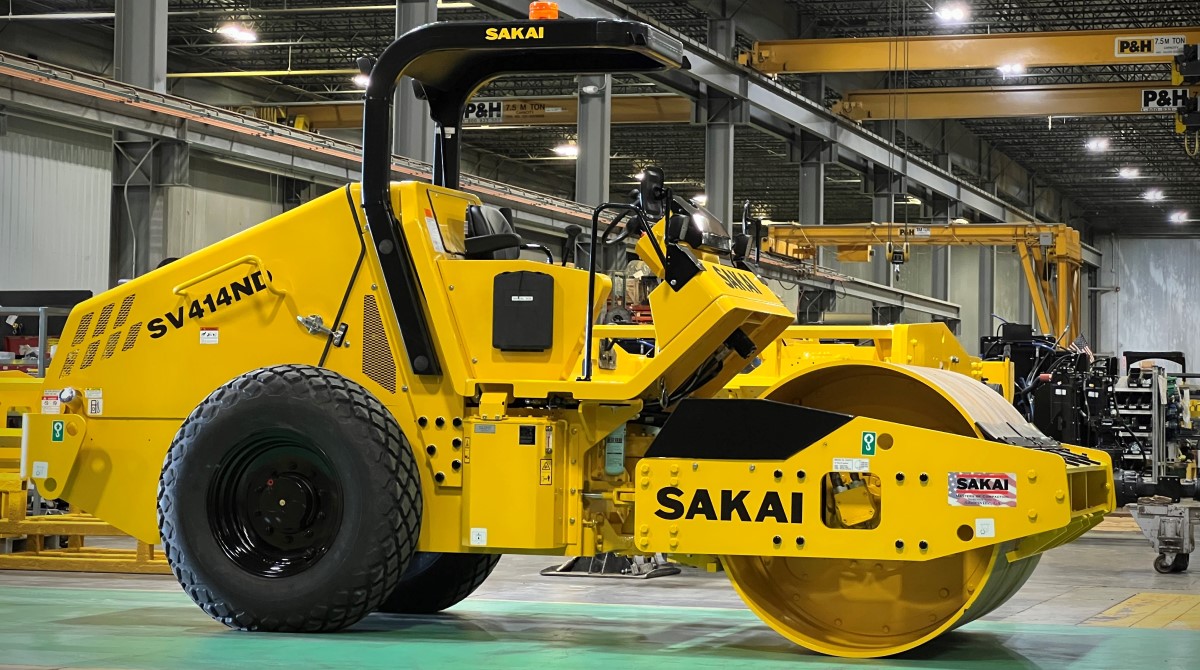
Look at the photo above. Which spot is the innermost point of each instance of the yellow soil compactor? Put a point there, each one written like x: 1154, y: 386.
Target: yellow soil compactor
x: 358, y: 405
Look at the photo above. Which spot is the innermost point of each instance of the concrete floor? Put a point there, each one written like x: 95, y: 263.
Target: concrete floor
x: 1096, y: 603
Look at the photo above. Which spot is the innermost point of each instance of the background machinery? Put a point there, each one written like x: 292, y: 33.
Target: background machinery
x: 365, y: 424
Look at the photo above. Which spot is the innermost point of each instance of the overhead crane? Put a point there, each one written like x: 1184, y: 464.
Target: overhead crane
x: 976, y: 102
x: 505, y: 111
x: 1051, y: 256
x: 970, y: 52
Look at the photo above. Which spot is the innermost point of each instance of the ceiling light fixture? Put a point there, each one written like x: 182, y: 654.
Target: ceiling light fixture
x: 567, y: 150
x: 1179, y: 217
x: 238, y: 33
x: 361, y: 80
x: 700, y: 199
x: 953, y: 12
x: 1129, y: 173
x: 1011, y: 70
x: 1097, y: 144
x: 1154, y: 195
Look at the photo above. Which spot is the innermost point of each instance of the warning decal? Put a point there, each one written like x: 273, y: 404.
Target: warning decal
x: 983, y: 489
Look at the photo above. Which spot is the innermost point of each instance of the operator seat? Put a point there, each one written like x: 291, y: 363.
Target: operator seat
x: 490, y: 235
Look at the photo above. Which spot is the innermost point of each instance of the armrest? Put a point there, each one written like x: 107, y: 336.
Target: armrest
x: 486, y: 244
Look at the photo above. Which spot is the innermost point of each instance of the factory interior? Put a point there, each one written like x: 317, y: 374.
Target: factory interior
x: 599, y: 333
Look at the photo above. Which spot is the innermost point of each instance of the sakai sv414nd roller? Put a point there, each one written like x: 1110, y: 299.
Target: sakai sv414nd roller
x: 359, y: 404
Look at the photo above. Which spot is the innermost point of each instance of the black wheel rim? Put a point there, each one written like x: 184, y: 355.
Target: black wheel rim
x: 275, y: 504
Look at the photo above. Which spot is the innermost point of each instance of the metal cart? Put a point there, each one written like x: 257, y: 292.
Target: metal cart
x: 1171, y: 528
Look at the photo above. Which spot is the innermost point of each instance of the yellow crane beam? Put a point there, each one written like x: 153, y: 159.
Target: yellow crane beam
x: 1098, y: 99
x: 1051, y: 256
x: 969, y: 52
x: 542, y: 111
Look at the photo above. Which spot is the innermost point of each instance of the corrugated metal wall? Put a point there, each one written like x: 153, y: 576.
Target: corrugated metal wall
x: 222, y: 200
x: 1157, y: 306
x: 55, y: 195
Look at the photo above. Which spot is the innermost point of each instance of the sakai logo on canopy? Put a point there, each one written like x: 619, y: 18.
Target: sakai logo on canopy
x: 534, y: 33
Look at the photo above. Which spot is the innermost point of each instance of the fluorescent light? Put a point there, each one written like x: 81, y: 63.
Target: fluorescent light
x: 1011, y: 69
x: 361, y: 80
x: 700, y: 199
x: 567, y: 150
x: 953, y: 12
x: 238, y: 33
x: 1097, y: 144
x: 453, y: 5
x: 1154, y: 195
x: 1179, y: 217
x: 640, y: 176
x: 1129, y: 173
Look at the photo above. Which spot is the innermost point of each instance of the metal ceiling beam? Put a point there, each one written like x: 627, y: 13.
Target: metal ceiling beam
x: 1059, y: 240
x: 783, y: 113
x: 877, y: 294
x: 970, y: 52
x: 542, y: 111
x: 1101, y: 99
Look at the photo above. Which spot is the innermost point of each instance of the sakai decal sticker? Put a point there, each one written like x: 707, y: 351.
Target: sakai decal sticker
x: 730, y: 505
x: 210, y: 336
x: 547, y: 472
x: 535, y: 33
x: 227, y: 295
x: 985, y: 528
x: 58, y: 429
x: 983, y: 489
x: 41, y: 469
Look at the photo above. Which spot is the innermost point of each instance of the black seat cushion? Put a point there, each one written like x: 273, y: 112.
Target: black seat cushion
x: 490, y: 234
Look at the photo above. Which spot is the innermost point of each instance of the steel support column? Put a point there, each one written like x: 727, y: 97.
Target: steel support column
x: 885, y: 184
x: 595, y: 146
x: 987, y: 289
x: 140, y: 163
x: 718, y: 132
x: 412, y: 134
x: 943, y: 211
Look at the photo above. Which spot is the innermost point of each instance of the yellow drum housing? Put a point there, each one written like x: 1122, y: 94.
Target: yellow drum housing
x: 851, y: 607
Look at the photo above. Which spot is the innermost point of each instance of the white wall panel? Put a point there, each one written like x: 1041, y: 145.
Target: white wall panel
x: 916, y: 276
x: 964, y: 290
x: 55, y: 207
x: 1156, y: 308
x: 1008, y: 286
x: 222, y: 200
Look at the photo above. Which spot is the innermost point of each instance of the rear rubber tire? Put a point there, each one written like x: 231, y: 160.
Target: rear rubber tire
x: 329, y: 448
x: 435, y: 582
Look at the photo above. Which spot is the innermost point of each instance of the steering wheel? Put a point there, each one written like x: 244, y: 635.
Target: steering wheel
x: 607, y: 238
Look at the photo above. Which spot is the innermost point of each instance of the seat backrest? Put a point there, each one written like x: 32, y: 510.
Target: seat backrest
x: 485, y: 221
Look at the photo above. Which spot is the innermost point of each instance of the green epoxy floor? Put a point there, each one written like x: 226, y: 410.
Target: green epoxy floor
x: 522, y: 620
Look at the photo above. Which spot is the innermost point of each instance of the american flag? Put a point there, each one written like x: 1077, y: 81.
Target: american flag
x: 1080, y: 346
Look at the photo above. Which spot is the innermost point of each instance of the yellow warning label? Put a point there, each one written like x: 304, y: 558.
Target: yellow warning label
x: 547, y: 472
